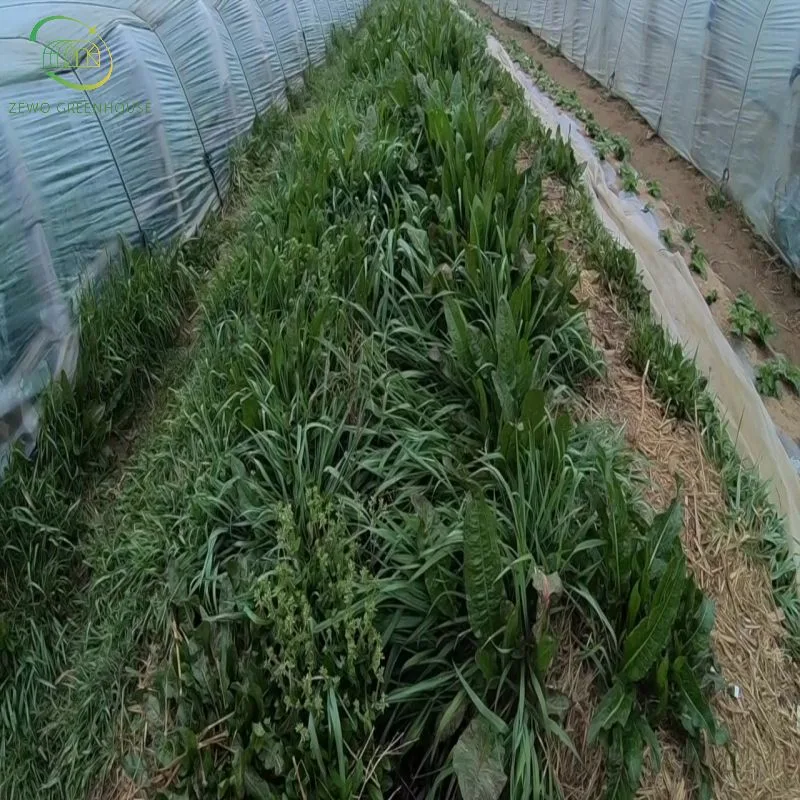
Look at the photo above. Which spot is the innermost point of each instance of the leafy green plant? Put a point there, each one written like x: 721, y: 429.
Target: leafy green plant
x: 654, y: 189
x: 630, y: 178
x: 688, y: 235
x: 746, y: 320
x: 699, y: 262
x: 771, y: 373
x: 712, y: 297
x: 656, y: 675
x: 716, y: 199
x: 666, y: 237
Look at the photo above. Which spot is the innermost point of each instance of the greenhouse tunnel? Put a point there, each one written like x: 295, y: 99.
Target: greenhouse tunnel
x: 718, y: 80
x: 142, y: 157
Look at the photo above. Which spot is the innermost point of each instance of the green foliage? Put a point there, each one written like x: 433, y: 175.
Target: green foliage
x: 665, y: 623
x: 746, y: 320
x: 699, y: 262
x: 717, y: 200
x: 654, y: 189
x: 677, y: 382
x: 279, y: 677
x: 771, y: 373
x: 688, y: 235
x: 666, y: 237
x: 486, y: 600
x: 478, y: 762
x: 712, y: 297
x: 630, y: 178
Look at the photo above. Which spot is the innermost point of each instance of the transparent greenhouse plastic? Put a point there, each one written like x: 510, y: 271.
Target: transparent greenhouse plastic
x: 719, y: 80
x: 118, y: 118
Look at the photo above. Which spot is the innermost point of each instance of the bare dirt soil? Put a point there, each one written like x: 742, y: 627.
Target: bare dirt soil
x: 735, y: 253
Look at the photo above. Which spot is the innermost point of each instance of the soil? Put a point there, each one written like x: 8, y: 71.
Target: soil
x: 739, y: 259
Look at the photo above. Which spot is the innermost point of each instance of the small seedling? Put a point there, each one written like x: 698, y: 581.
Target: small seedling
x: 699, y: 262
x: 666, y: 237
x: 716, y: 199
x: 712, y: 297
x: 770, y: 374
x: 688, y: 235
x: 654, y: 189
x: 630, y: 178
x: 747, y: 320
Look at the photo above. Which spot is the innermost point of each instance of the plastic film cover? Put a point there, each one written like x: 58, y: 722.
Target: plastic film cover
x: 718, y: 79
x: 117, y: 121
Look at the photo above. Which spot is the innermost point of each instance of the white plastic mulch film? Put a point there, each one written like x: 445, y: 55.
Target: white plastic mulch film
x: 117, y: 120
x: 719, y: 80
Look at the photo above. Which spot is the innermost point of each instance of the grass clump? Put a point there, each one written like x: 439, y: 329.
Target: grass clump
x: 771, y: 373
x: 717, y: 200
x: 699, y: 262
x: 678, y: 383
x: 747, y: 320
x: 688, y: 235
x: 666, y: 237
x: 654, y: 189
x: 630, y: 178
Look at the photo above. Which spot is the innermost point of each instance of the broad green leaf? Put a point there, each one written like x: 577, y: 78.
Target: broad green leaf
x: 545, y: 650
x: 695, y: 711
x: 633, y: 753
x: 478, y: 759
x: 452, y: 717
x: 256, y: 786
x: 703, y: 624
x: 648, y: 639
x: 459, y: 333
x: 486, y: 599
x: 664, y: 532
x: 614, y: 709
x: 505, y: 396
x: 617, y: 784
x: 506, y: 339
x: 634, y: 603
x: 533, y: 410
x: 662, y: 683
x: 651, y: 740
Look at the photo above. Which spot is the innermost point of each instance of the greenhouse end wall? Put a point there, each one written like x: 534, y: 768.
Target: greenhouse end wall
x: 118, y: 121
x: 719, y: 80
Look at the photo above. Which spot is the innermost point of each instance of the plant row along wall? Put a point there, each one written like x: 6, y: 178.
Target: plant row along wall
x: 674, y: 378
x: 344, y: 557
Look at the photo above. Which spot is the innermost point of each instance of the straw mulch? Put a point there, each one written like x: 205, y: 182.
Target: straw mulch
x: 763, y: 722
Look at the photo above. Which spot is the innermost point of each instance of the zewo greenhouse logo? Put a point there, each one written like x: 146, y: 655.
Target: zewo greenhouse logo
x: 83, y: 65
x: 89, y: 54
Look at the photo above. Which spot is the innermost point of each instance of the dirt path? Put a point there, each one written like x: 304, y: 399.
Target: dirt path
x: 735, y: 253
